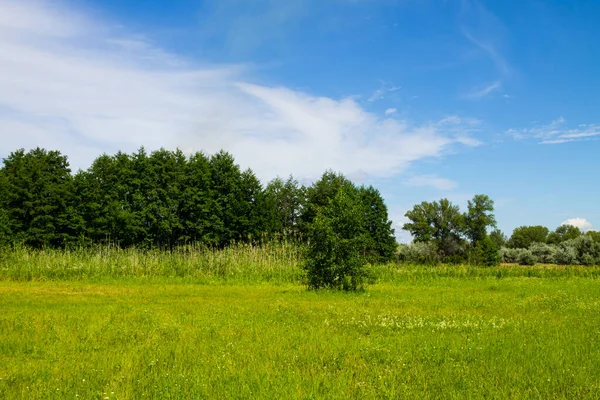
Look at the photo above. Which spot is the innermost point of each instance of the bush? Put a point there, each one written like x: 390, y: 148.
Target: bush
x: 419, y: 253
x: 565, y: 255
x: 544, y: 253
x: 510, y: 256
x: 587, y: 250
x: 527, y: 258
x: 334, y: 255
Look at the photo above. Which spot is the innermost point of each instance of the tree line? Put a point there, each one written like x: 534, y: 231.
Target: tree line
x: 167, y: 198
x: 442, y: 233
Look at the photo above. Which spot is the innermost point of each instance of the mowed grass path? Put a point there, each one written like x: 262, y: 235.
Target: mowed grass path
x: 440, y: 338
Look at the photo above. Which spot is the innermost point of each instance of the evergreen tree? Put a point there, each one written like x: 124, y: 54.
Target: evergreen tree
x: 226, y: 181
x: 37, y: 198
x: 381, y: 242
x: 286, y: 200
x: 198, y: 213
x: 163, y: 197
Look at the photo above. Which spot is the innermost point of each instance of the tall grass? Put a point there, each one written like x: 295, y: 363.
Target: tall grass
x: 276, y: 262
x: 271, y: 262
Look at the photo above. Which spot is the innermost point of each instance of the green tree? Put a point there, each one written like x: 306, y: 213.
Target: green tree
x: 337, y: 236
x: 499, y: 238
x: 254, y: 218
x: 381, y: 243
x: 162, y: 197
x: 595, y: 235
x: 113, y: 198
x: 320, y: 194
x: 5, y: 228
x: 230, y: 200
x: 286, y: 200
x: 479, y: 217
x: 37, y: 197
x: 484, y: 253
x: 198, y: 206
x: 524, y: 236
x: 440, y: 222
x: 563, y: 233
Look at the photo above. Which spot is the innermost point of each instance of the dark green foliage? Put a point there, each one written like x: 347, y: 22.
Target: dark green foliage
x: 440, y: 222
x: 563, y: 233
x: 485, y: 253
x: 197, y: 209
x: 37, y: 198
x: 337, y: 237
x: 381, y: 242
x: 254, y: 214
x: 286, y: 200
x: 226, y: 179
x: 479, y: 217
x: 320, y: 194
x: 595, y: 235
x: 498, y: 238
x: 5, y: 230
x: 524, y: 236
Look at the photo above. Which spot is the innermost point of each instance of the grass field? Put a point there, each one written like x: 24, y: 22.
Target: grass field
x: 419, y: 337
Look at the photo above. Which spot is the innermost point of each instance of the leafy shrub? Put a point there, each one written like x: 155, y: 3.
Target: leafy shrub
x: 334, y: 255
x: 509, y: 255
x: 587, y: 250
x: 419, y: 253
x: 565, y: 255
x: 527, y: 258
x: 544, y: 253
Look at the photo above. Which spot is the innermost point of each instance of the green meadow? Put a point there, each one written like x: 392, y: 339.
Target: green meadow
x: 127, y: 324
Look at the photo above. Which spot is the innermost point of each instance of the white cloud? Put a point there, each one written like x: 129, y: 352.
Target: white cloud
x: 391, y: 111
x: 74, y: 84
x: 431, y: 181
x: 483, y: 92
x: 580, y: 223
x: 383, y: 91
x: 556, y: 132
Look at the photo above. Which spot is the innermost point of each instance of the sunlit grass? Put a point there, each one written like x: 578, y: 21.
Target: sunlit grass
x: 199, y: 323
x: 451, y: 338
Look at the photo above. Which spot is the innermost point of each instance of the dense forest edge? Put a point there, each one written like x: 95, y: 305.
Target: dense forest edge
x: 167, y: 200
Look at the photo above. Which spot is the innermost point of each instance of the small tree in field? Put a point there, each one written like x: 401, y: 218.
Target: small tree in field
x: 337, y: 241
x: 485, y: 253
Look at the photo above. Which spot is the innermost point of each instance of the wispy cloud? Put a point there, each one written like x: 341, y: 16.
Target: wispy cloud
x: 431, y: 181
x: 391, y: 111
x: 490, y: 50
x: 485, y: 32
x: 75, y: 84
x: 556, y: 132
x: 383, y: 91
x: 483, y: 92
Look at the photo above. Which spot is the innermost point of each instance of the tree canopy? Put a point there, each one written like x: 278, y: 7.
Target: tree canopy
x: 167, y: 198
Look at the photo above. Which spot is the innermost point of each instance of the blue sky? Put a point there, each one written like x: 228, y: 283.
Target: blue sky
x: 422, y: 99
